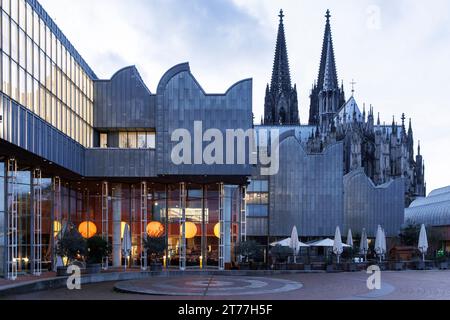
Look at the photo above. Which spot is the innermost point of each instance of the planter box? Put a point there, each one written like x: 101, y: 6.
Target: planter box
x: 94, y: 268
x: 352, y: 267
x: 61, y: 272
x: 382, y: 266
x: 156, y: 267
x: 334, y: 268
x: 398, y: 266
x: 420, y: 265
x: 293, y: 266
x: 443, y: 265
x: 244, y: 266
x: 280, y: 266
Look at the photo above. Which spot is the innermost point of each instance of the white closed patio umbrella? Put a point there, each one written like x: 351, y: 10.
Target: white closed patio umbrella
x: 384, y: 245
x: 338, y: 247
x: 364, y: 246
x: 423, y: 241
x: 294, y: 243
x: 350, y: 238
x: 126, y: 244
x: 380, y: 243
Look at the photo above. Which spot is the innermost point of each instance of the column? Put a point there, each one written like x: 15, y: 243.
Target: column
x: 182, y: 254
x: 12, y: 220
x: 117, y: 224
x: 227, y: 222
x: 36, y: 223
x: 3, y: 219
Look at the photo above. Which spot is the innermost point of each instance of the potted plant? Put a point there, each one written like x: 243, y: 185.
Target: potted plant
x: 97, y: 249
x: 249, y: 250
x: 280, y: 255
x: 442, y: 260
x: 71, y: 246
x: 155, y: 248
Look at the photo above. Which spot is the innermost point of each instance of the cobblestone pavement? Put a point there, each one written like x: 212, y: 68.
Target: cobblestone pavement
x: 409, y: 285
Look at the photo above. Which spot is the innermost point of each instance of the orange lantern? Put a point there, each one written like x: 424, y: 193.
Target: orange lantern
x: 217, y: 230
x: 191, y: 230
x: 87, y: 229
x: 155, y: 229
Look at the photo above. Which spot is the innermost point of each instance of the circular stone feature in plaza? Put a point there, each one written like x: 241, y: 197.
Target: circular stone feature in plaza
x: 208, y: 286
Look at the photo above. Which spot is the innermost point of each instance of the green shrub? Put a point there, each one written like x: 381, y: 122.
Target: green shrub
x: 72, y: 245
x: 97, y: 249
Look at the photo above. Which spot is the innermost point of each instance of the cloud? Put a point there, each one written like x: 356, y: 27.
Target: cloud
x: 402, y: 66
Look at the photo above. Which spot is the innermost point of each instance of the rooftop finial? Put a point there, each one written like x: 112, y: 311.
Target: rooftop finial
x: 353, y: 86
x: 328, y: 15
x: 281, y: 15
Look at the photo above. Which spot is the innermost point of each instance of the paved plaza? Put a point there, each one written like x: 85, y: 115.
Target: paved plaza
x: 408, y: 285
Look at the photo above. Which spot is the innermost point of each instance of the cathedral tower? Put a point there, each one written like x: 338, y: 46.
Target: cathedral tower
x: 281, y: 103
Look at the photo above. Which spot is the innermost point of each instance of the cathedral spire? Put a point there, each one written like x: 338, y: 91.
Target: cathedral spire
x: 281, y: 103
x: 328, y: 72
x: 281, y: 75
x: 327, y: 97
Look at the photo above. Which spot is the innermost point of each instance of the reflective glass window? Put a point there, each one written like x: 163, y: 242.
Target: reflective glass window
x: 22, y: 87
x: 35, y: 61
x: 103, y: 140
x: 22, y: 15
x: 22, y: 51
x: 123, y: 140
x: 6, y: 6
x: 36, y: 28
x: 29, y: 56
x: 6, y: 26
x: 15, y: 10
x: 6, y: 75
x: 29, y: 92
x: 29, y: 20
x: 142, y: 140
x: 151, y: 140
x: 14, y: 42
x: 132, y: 140
x: 14, y: 82
x: 36, y: 96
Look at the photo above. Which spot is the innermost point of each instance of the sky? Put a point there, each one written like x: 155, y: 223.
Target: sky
x: 397, y: 51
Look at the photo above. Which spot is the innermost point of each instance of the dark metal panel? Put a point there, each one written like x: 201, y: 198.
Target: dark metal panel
x: 307, y: 192
x: 124, y: 102
x: 367, y: 205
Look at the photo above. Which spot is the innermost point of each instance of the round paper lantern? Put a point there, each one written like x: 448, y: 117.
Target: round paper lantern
x: 56, y: 228
x: 191, y: 230
x: 155, y: 229
x: 87, y: 229
x: 217, y: 230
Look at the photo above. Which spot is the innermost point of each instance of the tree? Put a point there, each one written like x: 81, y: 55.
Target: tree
x: 97, y: 249
x: 72, y: 245
x: 155, y: 247
x: 409, y: 235
x: 280, y: 253
x: 250, y: 250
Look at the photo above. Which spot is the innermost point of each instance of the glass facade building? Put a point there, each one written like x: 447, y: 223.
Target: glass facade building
x: 77, y: 151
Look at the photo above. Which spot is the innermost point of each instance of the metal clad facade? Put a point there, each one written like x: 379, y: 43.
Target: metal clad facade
x: 367, y: 206
x: 307, y: 192
x: 181, y: 101
x: 124, y: 102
